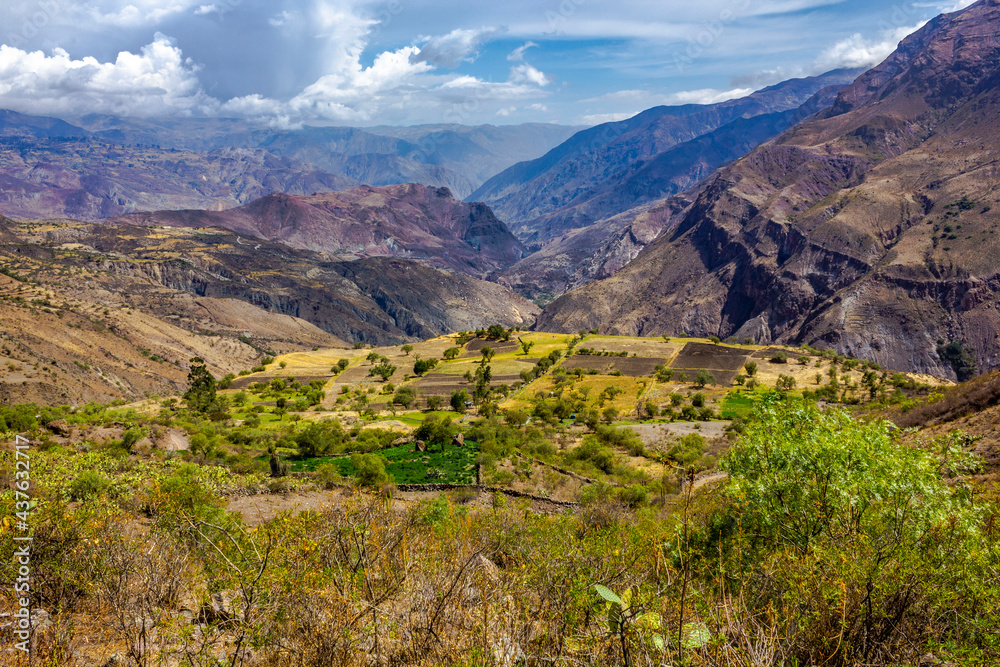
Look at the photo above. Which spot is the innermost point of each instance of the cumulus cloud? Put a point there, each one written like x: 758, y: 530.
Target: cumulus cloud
x: 453, y: 49
x: 856, y: 51
x: 528, y: 74
x: 156, y: 81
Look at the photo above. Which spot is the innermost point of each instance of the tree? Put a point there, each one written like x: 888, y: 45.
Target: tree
x: 374, y: 357
x: 320, y: 439
x: 421, y: 366
x: 496, y: 332
x: 962, y: 359
x: 526, y: 345
x: 698, y: 400
x: 436, y: 430
x: 405, y: 396
x: 407, y: 349
x: 200, y: 395
x: 785, y: 383
x: 435, y: 402
x: 751, y: 368
x: 451, y: 352
x: 384, y: 370
x: 704, y: 377
x: 487, y: 354
x: 459, y: 399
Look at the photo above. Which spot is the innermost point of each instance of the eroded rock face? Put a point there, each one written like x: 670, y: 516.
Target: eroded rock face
x: 871, y: 229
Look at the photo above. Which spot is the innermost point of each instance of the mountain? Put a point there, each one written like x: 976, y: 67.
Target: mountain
x: 870, y: 229
x: 604, y: 170
x: 100, y: 166
x: 406, y: 221
x: 85, y: 179
x: 100, y: 311
x: 458, y: 157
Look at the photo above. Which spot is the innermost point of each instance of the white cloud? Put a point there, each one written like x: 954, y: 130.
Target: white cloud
x: 525, y: 73
x: 707, y: 95
x: 205, y: 9
x: 598, y: 118
x: 138, y: 12
x: 517, y: 55
x: 453, y: 49
x: 156, y: 81
x: 506, y: 111
x: 856, y: 51
x: 644, y: 99
x: 281, y: 19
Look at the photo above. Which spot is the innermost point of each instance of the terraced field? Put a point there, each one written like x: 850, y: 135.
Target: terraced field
x: 631, y: 366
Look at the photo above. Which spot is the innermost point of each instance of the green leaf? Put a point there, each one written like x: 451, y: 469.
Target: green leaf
x: 650, y: 621
x: 658, y: 642
x: 696, y: 635
x: 608, y: 594
x: 614, y: 618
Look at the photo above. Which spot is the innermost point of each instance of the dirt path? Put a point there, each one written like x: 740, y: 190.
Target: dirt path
x: 709, y: 479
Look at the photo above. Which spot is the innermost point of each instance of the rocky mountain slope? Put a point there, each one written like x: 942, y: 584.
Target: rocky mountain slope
x: 871, y: 229
x: 604, y: 170
x: 406, y: 221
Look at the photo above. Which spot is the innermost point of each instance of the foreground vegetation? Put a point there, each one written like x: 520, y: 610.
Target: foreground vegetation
x: 828, y: 543
x: 592, y: 515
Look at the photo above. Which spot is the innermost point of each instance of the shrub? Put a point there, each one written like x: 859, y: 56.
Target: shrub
x: 370, y: 470
x: 837, y: 505
x: 328, y: 475
x: 687, y: 450
x: 88, y: 484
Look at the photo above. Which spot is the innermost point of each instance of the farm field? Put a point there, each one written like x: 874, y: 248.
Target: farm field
x: 454, y: 465
x: 631, y: 366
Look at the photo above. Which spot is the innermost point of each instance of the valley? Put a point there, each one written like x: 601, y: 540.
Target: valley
x: 431, y: 335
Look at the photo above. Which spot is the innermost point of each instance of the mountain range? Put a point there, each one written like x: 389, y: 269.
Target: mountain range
x: 851, y: 210
x: 101, y: 166
x: 869, y: 228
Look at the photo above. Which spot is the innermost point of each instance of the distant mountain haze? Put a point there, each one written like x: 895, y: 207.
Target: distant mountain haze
x: 99, y: 166
x: 606, y: 169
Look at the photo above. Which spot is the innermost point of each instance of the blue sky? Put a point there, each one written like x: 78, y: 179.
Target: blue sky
x: 368, y: 62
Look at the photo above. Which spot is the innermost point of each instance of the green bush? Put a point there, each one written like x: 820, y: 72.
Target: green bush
x: 328, y: 475
x: 88, y: 484
x: 370, y: 470
x: 839, y: 510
